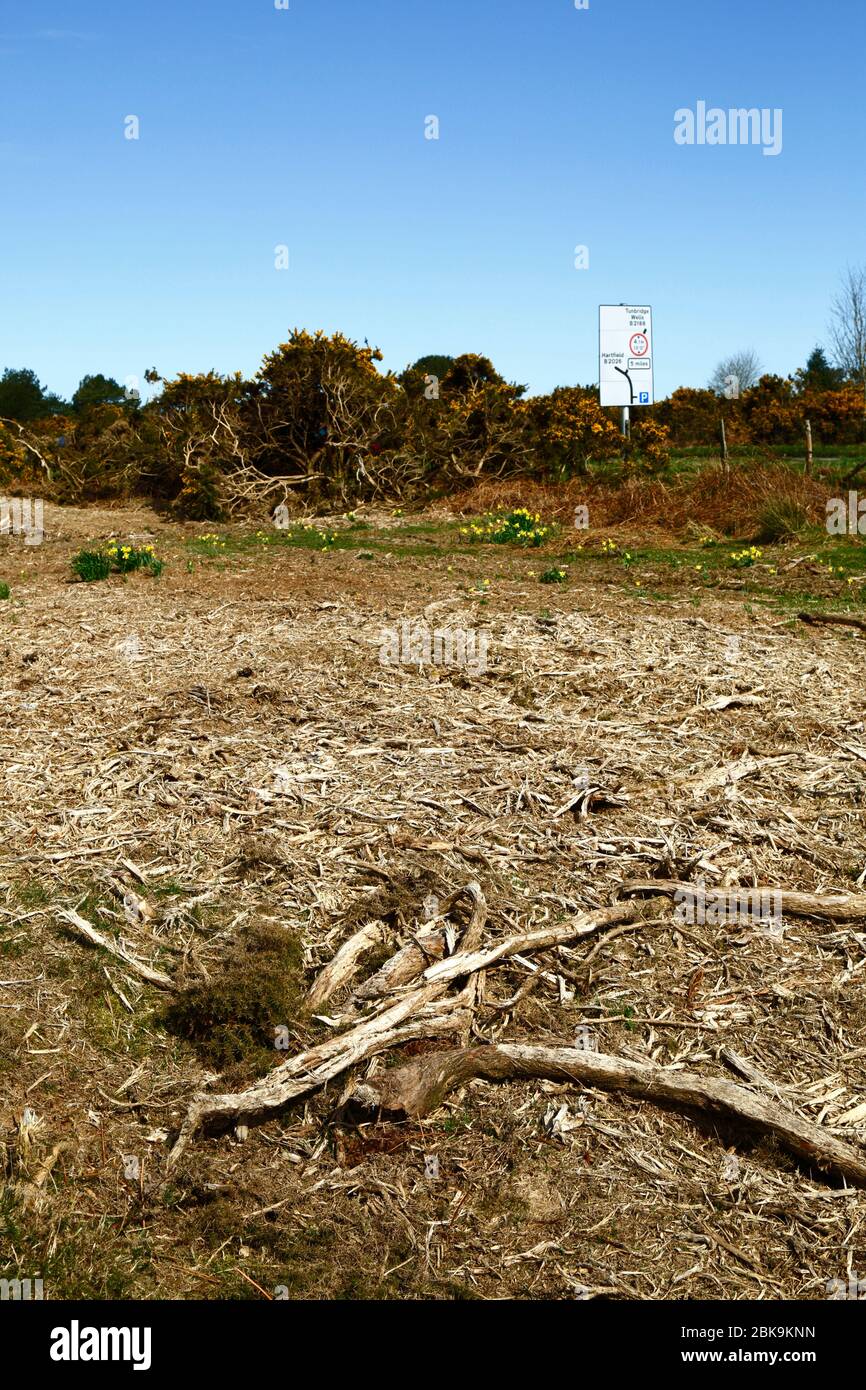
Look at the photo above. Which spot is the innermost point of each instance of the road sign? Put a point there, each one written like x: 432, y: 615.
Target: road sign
x: 625, y: 353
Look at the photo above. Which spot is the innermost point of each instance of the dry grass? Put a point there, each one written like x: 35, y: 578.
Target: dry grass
x: 730, y: 506
x: 247, y: 762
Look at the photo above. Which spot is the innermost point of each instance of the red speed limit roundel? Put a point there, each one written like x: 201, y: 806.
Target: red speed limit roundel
x: 639, y: 345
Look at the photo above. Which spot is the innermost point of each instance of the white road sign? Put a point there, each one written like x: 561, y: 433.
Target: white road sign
x: 625, y: 353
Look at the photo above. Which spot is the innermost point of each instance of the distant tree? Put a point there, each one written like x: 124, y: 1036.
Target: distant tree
x: 819, y: 374
x: 434, y: 364
x: 848, y: 326
x: 736, y: 374
x: 22, y: 397
x: 98, y: 390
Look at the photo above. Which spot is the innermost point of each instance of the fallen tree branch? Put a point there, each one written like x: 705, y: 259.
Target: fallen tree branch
x: 839, y: 619
x: 318, y: 1065
x: 834, y: 907
x: 418, y: 1088
x: 468, y: 962
x: 89, y: 933
x: 426, y: 946
x: 309, y: 1070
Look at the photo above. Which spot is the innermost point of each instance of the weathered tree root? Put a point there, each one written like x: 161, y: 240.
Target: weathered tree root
x: 425, y: 1011
x: 416, y: 1089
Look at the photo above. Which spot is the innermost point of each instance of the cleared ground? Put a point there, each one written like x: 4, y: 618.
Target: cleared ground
x: 225, y: 743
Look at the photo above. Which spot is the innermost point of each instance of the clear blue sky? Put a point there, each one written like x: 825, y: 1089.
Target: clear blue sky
x: 305, y: 127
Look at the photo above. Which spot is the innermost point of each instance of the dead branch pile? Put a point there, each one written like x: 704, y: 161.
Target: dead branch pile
x: 423, y: 993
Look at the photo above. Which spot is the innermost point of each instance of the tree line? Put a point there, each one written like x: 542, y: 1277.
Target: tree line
x: 319, y: 418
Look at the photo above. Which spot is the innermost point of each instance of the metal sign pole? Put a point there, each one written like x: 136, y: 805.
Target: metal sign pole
x: 625, y: 422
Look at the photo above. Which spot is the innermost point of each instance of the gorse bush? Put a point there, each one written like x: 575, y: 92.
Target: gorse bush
x: 200, y: 497
x: 321, y: 420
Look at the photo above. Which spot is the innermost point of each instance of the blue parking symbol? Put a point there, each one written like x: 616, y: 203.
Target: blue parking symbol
x: 644, y: 397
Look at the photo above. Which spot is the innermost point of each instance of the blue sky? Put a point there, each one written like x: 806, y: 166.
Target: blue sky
x: 305, y: 127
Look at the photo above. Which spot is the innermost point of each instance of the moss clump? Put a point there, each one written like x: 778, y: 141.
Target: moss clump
x: 259, y: 987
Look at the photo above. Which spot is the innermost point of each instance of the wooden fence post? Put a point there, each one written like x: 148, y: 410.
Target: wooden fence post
x: 808, y: 448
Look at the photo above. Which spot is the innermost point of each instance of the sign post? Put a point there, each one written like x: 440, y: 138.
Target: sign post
x: 625, y: 357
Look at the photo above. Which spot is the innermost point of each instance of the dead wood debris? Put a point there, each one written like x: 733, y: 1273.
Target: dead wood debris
x: 427, y: 1010
x: 88, y: 933
x: 834, y: 907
